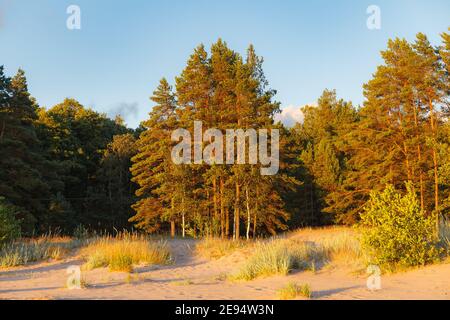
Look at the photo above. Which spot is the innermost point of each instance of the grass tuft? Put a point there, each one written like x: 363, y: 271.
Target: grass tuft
x: 272, y: 258
x: 293, y: 290
x: 216, y: 248
x: 32, y: 250
x: 280, y: 256
x: 122, y: 252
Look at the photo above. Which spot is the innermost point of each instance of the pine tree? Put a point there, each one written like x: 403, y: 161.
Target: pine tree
x: 431, y: 91
x: 151, y: 167
x: 396, y: 139
x: 323, y: 155
x: 381, y: 144
x: 224, y: 92
x: 22, y: 182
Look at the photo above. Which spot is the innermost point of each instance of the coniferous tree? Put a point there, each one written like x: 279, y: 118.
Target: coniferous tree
x: 152, y: 166
x: 22, y: 182
x: 323, y: 155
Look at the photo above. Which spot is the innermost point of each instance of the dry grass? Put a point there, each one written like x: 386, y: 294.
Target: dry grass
x: 216, y: 248
x: 122, y: 252
x: 293, y: 290
x: 32, y: 250
x: 280, y: 256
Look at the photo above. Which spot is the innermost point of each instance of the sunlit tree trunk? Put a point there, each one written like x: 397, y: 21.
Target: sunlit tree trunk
x: 222, y: 210
x: 248, y: 213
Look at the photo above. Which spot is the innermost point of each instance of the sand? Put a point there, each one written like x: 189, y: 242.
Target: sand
x: 192, y: 277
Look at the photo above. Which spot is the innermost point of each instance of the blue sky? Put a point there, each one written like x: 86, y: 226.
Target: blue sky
x: 124, y: 47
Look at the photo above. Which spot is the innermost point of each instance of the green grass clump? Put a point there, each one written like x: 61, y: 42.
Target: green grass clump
x: 293, y: 290
x: 122, y: 252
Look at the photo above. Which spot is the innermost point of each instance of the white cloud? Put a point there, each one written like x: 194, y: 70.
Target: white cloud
x: 290, y: 115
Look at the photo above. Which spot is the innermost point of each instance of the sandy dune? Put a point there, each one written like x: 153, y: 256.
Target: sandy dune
x: 191, y: 277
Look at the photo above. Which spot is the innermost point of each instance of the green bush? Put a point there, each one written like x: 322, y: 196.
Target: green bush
x: 396, y: 231
x: 9, y: 226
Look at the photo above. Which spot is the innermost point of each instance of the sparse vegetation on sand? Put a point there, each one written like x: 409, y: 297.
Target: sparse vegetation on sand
x: 123, y: 251
x: 280, y: 256
x: 186, y: 282
x: 293, y: 290
x: 215, y: 248
x: 26, y: 251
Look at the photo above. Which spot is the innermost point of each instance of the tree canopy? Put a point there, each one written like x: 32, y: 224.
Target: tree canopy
x: 68, y: 165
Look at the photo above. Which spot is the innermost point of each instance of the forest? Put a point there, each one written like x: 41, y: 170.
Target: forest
x: 68, y: 168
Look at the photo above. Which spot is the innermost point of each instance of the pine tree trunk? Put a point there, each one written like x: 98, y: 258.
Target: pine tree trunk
x: 222, y: 210
x: 435, y: 162
x: 172, y: 228
x: 172, y: 222
x: 209, y: 232
x: 183, y: 224
x: 254, y: 215
x: 227, y: 223
x: 248, y: 213
x: 216, y: 215
x: 422, y: 191
x: 183, y: 217
x: 237, y: 212
x: 234, y: 224
x: 419, y: 156
x: 408, y: 167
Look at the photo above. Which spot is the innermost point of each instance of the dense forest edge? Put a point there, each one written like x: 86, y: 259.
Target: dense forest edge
x: 69, y: 169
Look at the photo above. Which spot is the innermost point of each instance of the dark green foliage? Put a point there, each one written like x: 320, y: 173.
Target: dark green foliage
x: 9, y: 225
x: 23, y: 179
x: 92, y: 162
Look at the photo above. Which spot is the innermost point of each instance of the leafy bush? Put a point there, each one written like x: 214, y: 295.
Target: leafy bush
x: 9, y: 226
x: 396, y: 231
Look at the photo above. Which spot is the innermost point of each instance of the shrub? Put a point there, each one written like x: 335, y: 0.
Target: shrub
x: 293, y: 290
x: 395, y: 231
x: 9, y: 226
